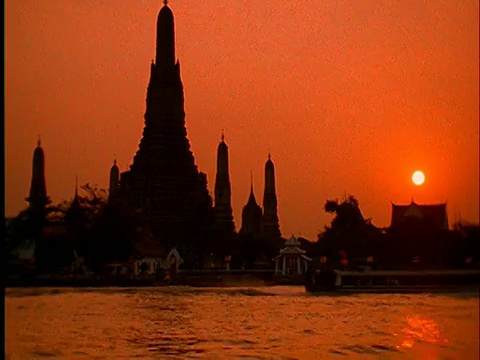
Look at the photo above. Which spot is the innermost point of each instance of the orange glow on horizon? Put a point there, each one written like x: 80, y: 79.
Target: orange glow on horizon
x: 347, y: 96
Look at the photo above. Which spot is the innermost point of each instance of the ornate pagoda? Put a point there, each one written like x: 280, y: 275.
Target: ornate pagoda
x: 163, y: 181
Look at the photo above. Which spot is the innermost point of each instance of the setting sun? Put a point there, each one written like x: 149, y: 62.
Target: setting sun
x: 418, y: 178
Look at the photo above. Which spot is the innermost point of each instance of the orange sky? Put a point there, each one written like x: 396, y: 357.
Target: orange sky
x: 349, y: 96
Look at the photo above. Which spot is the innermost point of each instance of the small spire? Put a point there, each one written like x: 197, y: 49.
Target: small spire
x: 251, y: 198
x: 38, y: 141
x: 269, y: 155
x: 114, y: 159
x: 165, y: 2
x: 223, y: 135
x: 75, y: 198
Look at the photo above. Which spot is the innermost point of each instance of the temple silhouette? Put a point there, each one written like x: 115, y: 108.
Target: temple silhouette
x: 436, y: 214
x: 164, y: 182
x: 270, y: 225
x: 173, y: 211
x: 224, y: 226
x: 251, y: 216
x: 114, y: 183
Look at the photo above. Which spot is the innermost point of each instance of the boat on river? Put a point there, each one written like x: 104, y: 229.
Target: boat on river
x: 400, y: 281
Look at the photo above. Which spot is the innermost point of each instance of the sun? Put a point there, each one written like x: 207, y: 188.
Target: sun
x: 418, y: 178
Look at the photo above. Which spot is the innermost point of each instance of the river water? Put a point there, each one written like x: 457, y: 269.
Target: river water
x: 237, y: 323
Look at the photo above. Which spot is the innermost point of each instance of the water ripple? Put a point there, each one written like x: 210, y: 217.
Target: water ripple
x: 235, y: 323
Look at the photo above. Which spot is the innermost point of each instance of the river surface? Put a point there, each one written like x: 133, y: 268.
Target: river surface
x: 237, y: 323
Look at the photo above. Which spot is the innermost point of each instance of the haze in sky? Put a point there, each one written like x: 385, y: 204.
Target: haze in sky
x: 349, y: 97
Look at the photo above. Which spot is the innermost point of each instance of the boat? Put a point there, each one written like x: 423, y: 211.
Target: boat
x: 400, y: 281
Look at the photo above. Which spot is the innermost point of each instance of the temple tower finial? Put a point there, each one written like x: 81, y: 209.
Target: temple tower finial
x: 165, y: 53
x: 76, y: 201
x: 75, y: 197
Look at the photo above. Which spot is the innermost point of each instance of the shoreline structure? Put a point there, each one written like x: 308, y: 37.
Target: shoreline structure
x: 419, y: 280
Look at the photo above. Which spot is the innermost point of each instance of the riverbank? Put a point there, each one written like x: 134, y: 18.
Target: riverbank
x: 242, y: 278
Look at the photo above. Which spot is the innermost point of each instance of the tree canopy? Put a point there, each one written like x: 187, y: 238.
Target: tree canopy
x: 349, y: 233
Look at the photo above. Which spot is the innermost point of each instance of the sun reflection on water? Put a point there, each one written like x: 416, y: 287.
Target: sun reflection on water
x: 420, y: 329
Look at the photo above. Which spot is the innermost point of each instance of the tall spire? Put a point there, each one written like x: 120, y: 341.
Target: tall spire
x: 222, y: 165
x: 163, y: 182
x: 76, y: 185
x: 251, y: 183
x: 75, y: 201
x: 38, y: 191
x: 224, y: 225
x: 271, y: 227
x: 251, y: 214
x: 251, y: 198
x: 114, y: 179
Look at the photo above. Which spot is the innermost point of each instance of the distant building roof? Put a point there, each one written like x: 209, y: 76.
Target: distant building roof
x: 436, y: 213
x: 292, y: 242
x: 292, y: 247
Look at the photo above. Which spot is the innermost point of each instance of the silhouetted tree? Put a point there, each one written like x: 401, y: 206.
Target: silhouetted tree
x: 348, y: 233
x: 106, y: 231
x: 45, y: 233
x: 464, y: 249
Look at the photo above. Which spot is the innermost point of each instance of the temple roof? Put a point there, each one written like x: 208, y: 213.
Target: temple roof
x: 292, y: 242
x: 292, y: 250
x: 437, y: 213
